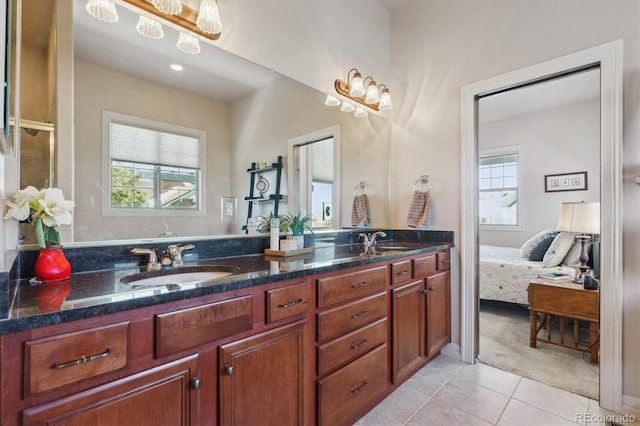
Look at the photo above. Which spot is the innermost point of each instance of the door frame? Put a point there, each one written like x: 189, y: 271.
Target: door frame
x: 609, y: 57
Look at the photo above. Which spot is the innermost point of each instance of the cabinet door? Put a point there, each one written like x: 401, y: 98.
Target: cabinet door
x: 262, y: 378
x: 165, y: 395
x: 408, y: 328
x: 438, y: 312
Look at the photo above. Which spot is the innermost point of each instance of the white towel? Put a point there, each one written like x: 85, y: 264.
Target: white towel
x: 419, y: 209
x: 360, y: 212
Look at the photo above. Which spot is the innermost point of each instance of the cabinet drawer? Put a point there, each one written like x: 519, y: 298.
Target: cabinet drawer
x: 425, y: 266
x: 401, y: 272
x: 349, y: 347
x: 343, y: 394
x: 339, y: 321
x: 287, y: 301
x: 443, y: 261
x: 188, y: 328
x: 348, y: 286
x: 67, y: 358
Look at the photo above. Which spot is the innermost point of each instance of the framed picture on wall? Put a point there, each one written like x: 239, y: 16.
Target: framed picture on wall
x: 327, y: 211
x: 566, y: 182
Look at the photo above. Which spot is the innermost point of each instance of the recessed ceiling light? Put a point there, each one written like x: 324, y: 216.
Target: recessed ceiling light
x: 176, y: 67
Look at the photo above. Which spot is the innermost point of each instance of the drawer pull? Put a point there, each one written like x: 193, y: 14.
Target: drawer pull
x: 403, y: 273
x: 446, y: 261
x: 229, y: 370
x: 82, y: 360
x: 362, y: 284
x: 360, y: 315
x: 196, y: 383
x: 364, y: 342
x: 286, y: 305
x: 360, y: 388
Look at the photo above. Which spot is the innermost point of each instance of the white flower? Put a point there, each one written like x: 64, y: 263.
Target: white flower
x: 21, y: 206
x: 55, y: 209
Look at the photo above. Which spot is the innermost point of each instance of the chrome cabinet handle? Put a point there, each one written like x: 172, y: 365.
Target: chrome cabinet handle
x: 81, y: 360
x: 229, y: 370
x: 196, y: 383
x: 360, y: 388
x: 364, y: 342
x: 403, y: 273
x: 286, y: 305
x: 360, y: 315
x: 362, y: 284
x: 446, y: 261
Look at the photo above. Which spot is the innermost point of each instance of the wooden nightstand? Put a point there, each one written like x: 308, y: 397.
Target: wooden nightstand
x: 564, y: 299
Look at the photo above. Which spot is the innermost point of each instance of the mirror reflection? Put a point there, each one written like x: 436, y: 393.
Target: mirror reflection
x: 239, y: 112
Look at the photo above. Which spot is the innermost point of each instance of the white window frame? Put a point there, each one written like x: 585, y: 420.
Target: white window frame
x: 508, y: 150
x: 107, y: 118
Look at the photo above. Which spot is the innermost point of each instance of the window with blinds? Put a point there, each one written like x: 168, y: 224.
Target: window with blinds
x: 498, y: 185
x: 153, y: 166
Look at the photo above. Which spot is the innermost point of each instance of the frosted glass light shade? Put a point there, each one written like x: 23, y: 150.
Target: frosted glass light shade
x: 360, y: 113
x: 149, y: 28
x: 209, y: 17
x: 188, y: 44
x: 347, y: 107
x: 372, y: 93
x: 170, y: 7
x: 332, y: 101
x: 103, y: 10
x: 581, y: 218
x: 385, y: 100
x: 357, y: 86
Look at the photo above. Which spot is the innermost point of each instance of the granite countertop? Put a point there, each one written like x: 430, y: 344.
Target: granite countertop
x: 93, y: 293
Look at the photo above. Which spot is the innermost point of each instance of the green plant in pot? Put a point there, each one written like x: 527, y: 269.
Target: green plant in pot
x: 264, y: 225
x: 297, y: 224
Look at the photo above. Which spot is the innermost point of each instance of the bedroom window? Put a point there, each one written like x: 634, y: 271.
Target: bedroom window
x: 151, y: 168
x: 498, y: 184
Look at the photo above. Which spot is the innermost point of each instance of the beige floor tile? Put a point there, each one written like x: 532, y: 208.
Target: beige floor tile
x: 550, y: 399
x: 438, y: 413
x: 489, y: 377
x: 518, y: 413
x: 397, y: 408
x: 473, y: 399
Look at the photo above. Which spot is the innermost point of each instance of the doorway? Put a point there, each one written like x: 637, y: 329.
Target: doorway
x: 546, y: 127
x: 609, y: 59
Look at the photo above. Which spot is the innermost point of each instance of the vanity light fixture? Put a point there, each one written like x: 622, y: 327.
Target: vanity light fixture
x: 332, y: 101
x: 347, y: 107
x: 209, y: 17
x: 366, y: 92
x: 188, y: 44
x: 169, y: 7
x: 103, y: 10
x: 360, y: 112
x: 149, y: 28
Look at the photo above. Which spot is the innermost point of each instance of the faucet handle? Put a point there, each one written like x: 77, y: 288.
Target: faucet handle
x: 152, y: 263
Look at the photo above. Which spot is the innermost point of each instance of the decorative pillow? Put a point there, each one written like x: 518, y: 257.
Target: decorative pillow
x: 573, y: 256
x: 558, y: 249
x: 540, y: 247
x: 526, y: 247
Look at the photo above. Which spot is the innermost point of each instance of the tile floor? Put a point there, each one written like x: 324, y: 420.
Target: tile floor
x: 450, y: 392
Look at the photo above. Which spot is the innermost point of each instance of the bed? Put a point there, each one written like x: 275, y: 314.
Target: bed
x: 505, y: 275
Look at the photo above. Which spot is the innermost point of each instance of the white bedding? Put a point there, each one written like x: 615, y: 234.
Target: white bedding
x: 505, y: 276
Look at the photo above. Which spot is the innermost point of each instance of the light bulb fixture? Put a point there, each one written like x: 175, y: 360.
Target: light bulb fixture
x: 103, y: 10
x: 364, y: 92
x: 347, y: 107
x: 149, y: 28
x: 360, y: 112
x: 332, y: 101
x: 170, y: 7
x: 188, y: 44
x: 209, y: 17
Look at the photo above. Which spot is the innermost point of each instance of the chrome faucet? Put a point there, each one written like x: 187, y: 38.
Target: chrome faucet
x: 370, y: 241
x: 152, y: 263
x: 173, y: 255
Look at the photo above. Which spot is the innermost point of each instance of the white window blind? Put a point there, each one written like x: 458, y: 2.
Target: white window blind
x: 142, y: 145
x: 322, y: 160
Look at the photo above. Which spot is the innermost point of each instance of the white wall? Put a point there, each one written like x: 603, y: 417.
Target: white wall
x: 553, y: 144
x: 439, y: 46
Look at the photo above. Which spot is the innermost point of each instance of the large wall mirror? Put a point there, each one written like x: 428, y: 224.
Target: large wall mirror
x: 76, y: 70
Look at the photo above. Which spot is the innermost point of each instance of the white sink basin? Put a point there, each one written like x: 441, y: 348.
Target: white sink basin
x: 186, y: 275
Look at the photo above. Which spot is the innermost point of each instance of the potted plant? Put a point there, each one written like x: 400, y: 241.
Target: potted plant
x: 297, y: 224
x: 264, y: 223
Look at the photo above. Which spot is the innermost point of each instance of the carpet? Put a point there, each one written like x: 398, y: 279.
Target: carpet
x: 504, y: 344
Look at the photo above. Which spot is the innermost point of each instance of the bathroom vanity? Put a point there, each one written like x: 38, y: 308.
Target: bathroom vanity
x: 314, y: 340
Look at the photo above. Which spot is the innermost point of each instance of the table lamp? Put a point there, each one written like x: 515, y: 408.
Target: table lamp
x: 584, y: 220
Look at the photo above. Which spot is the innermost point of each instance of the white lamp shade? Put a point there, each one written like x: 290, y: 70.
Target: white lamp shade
x: 372, y: 94
x: 385, y: 101
x: 188, y: 44
x: 170, y: 7
x: 149, y: 28
x: 581, y: 218
x: 357, y: 86
x: 360, y: 112
x: 332, y: 101
x: 103, y: 10
x: 347, y: 107
x: 209, y: 17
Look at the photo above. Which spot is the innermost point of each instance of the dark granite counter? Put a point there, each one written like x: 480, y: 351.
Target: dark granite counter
x: 95, y: 288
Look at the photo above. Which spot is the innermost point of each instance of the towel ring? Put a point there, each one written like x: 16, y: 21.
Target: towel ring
x: 360, y: 188
x: 422, y: 180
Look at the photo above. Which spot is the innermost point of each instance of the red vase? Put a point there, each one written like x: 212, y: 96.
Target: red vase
x: 52, y: 266
x: 50, y: 297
